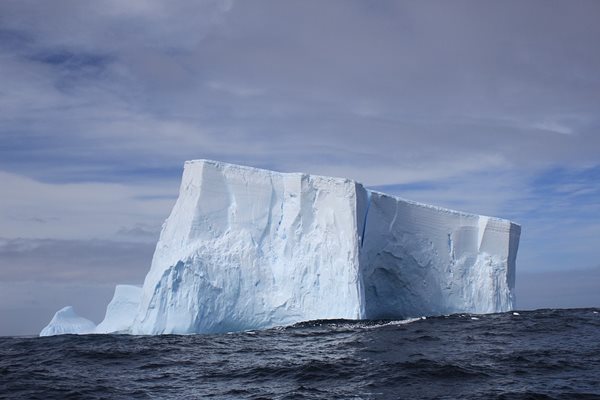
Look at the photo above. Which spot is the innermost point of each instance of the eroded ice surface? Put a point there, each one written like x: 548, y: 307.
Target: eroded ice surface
x: 423, y: 260
x: 247, y: 248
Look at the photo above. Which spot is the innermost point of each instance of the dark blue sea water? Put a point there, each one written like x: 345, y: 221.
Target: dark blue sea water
x: 544, y: 354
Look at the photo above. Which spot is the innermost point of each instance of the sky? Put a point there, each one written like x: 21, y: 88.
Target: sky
x: 487, y: 107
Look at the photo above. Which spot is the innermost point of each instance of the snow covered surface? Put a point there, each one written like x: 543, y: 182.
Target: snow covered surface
x: 247, y: 248
x: 67, y: 321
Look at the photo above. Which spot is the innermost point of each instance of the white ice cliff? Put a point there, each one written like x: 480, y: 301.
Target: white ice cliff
x: 247, y: 248
x: 121, y: 310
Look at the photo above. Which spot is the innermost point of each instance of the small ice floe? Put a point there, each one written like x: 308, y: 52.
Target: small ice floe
x: 399, y: 322
x: 595, y: 312
x: 516, y: 313
x: 404, y: 321
x: 66, y: 321
x: 475, y: 318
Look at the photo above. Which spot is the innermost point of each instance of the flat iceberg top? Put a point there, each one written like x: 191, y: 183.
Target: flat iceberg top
x: 236, y: 167
x: 224, y: 165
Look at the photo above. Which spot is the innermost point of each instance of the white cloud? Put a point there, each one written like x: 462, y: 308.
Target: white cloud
x: 553, y: 126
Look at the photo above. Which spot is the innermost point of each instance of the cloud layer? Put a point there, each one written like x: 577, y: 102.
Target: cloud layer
x: 385, y: 93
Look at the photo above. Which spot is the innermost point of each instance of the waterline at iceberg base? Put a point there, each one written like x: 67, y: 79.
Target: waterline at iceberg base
x: 247, y: 248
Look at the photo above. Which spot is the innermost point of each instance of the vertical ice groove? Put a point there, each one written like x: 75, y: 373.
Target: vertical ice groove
x: 393, y: 221
x: 232, y: 206
x: 267, y: 227
x: 483, y: 222
x: 364, y: 230
x: 513, y: 247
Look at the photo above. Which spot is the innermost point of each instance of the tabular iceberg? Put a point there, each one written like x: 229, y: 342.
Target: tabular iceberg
x: 246, y: 248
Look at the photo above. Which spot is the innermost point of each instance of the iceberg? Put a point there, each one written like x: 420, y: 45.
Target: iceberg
x: 66, y: 321
x: 121, y: 311
x: 248, y: 248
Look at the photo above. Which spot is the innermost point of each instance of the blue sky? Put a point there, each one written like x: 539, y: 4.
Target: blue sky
x: 491, y: 108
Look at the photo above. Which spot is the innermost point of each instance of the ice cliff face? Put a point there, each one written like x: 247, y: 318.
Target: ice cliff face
x: 121, y: 311
x: 246, y: 248
x: 423, y: 260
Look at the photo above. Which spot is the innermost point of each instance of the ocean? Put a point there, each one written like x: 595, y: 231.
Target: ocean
x: 543, y: 354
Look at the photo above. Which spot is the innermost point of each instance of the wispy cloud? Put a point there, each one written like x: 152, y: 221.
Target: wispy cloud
x: 74, y: 261
x: 412, y: 89
x: 32, y: 209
